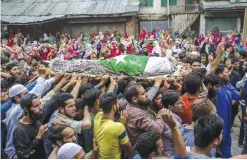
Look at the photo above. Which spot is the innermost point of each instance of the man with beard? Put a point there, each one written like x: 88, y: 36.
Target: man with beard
x: 36, y: 61
x: 243, y: 63
x: 233, y: 79
x: 15, y: 112
x: 145, y: 50
x: 226, y: 94
x: 234, y: 75
x: 66, y: 114
x: 204, y: 62
x: 235, y: 64
x: 138, y: 119
x: 29, y: 131
x: 154, y: 145
x: 111, y: 136
x: 12, y: 69
x: 67, y: 111
x: 60, y: 135
x: 212, y: 82
x: 156, y: 106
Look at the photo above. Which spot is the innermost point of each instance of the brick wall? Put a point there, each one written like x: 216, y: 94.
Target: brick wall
x: 132, y: 26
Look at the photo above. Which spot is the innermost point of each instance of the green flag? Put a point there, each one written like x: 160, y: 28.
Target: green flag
x: 130, y: 64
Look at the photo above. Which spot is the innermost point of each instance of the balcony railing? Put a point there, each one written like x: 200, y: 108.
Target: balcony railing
x: 180, y: 9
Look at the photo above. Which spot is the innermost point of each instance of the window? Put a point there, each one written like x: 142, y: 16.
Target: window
x: 148, y: 3
x: 189, y: 2
x: 150, y: 25
x: 163, y: 3
x: 172, y: 3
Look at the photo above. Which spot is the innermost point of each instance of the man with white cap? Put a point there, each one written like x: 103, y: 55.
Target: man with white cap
x: 71, y: 151
x: 16, y: 112
x: 63, y: 134
x: 13, y: 115
x: 176, y: 47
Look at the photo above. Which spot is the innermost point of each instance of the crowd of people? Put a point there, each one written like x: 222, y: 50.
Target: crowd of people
x: 186, y: 115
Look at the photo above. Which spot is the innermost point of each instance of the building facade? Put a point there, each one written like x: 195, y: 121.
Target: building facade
x: 226, y: 15
x: 70, y: 16
x: 126, y: 16
x: 172, y: 15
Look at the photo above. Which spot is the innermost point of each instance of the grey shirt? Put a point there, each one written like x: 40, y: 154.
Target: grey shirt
x: 194, y: 155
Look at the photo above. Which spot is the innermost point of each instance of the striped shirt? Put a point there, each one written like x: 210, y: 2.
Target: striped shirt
x: 169, y: 150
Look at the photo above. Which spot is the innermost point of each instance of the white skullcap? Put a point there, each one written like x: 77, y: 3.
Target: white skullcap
x: 16, y: 89
x: 68, y: 151
x: 195, y: 53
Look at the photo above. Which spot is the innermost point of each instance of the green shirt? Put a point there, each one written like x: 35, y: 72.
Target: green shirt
x: 152, y: 112
x: 88, y: 136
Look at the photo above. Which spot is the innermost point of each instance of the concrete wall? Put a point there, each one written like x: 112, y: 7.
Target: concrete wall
x: 156, y: 9
x: 181, y: 21
x: 121, y: 24
x: 132, y: 26
x: 202, y: 24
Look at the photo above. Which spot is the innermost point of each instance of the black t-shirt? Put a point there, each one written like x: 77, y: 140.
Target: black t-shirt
x: 234, y: 78
x: 241, y: 69
x: 27, y: 147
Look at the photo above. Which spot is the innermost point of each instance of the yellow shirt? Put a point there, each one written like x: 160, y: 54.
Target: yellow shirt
x: 110, y: 135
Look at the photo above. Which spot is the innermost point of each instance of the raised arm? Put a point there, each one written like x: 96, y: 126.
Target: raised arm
x: 40, y: 86
x: 179, y: 145
x: 216, y: 62
x: 112, y: 85
x: 75, y: 90
x: 71, y: 82
x: 5, y: 75
x: 86, y: 122
x: 147, y: 124
x: 154, y: 90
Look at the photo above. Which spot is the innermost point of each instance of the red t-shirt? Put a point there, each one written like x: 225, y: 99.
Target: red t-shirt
x: 187, y: 115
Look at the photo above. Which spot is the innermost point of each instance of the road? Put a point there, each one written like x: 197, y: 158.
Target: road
x: 235, y: 135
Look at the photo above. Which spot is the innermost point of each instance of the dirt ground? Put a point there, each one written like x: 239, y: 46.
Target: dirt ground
x: 235, y: 135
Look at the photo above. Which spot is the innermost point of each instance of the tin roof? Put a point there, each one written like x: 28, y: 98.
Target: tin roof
x: 33, y: 11
x: 222, y: 5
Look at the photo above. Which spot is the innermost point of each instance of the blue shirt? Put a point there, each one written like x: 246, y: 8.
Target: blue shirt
x: 137, y: 156
x: 4, y: 108
x: 245, y: 92
x: 29, y: 88
x: 241, y: 48
x: 15, y: 113
x: 189, y: 140
x: 225, y: 95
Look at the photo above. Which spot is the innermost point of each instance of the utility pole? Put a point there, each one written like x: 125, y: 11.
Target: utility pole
x: 245, y: 25
x: 168, y: 13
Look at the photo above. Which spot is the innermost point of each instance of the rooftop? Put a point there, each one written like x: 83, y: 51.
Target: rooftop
x: 222, y: 5
x: 32, y: 11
